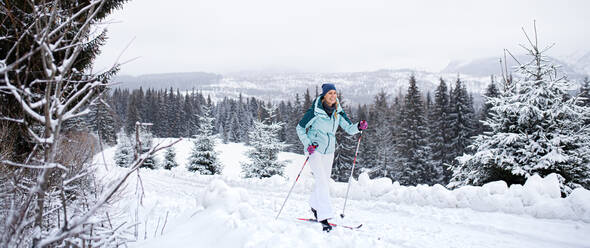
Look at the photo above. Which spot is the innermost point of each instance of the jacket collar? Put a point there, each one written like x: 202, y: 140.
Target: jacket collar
x: 319, y: 108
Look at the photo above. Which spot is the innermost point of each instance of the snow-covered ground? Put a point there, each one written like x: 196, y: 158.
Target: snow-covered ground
x: 178, y: 208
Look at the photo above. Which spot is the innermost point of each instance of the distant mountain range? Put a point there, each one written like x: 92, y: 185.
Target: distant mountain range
x: 358, y: 87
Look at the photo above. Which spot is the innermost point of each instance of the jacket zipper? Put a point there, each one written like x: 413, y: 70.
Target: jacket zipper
x: 328, y: 134
x: 328, y: 145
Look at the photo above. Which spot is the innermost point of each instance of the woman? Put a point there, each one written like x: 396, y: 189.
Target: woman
x: 317, y: 132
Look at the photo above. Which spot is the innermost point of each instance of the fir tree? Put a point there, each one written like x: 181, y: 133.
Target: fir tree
x: 146, y: 139
x: 461, y: 117
x: 102, y: 121
x: 133, y: 115
x: 295, y: 116
x: 170, y: 159
x: 125, y: 150
x: 536, y: 128
x: 491, y: 92
x: 189, y: 120
x: 307, y: 101
x: 412, y: 145
x: 439, y: 138
x: 380, y: 137
x: 584, y: 93
x: 203, y: 158
x: 265, y: 148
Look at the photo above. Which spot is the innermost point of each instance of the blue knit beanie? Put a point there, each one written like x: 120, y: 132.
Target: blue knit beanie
x: 327, y: 87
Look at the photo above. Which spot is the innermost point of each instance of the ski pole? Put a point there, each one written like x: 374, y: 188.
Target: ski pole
x: 292, y: 187
x: 351, y: 171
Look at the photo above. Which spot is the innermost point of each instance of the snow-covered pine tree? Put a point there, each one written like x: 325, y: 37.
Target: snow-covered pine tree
x: 283, y: 117
x: 188, y: 117
x: 295, y: 115
x: 536, y: 128
x: 161, y: 129
x: 266, y: 146
x: 77, y: 124
x: 462, y: 119
x: 102, y: 121
x: 203, y: 158
x: 492, y: 91
x: 170, y: 159
x: 307, y: 101
x: 412, y: 143
x: 246, y: 120
x: 179, y: 111
x: 147, y: 139
x: 133, y: 115
x: 381, y: 138
x: 439, y: 138
x: 395, y: 171
x: 584, y: 93
x: 234, y: 125
x: 125, y: 150
x: 369, y: 147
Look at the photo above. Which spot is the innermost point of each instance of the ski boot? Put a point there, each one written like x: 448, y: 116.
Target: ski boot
x: 326, y: 227
x: 315, y: 214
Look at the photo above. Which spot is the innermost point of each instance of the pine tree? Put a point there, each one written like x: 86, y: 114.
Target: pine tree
x: 189, y: 121
x: 170, y: 159
x: 146, y: 139
x: 164, y: 121
x: 203, y: 158
x: 125, y: 150
x: 77, y: 124
x: 396, y: 116
x: 20, y: 40
x: 412, y: 145
x: 536, y: 128
x: 307, y: 101
x: 584, y: 93
x: 491, y: 92
x: 295, y: 116
x: 265, y: 147
x: 462, y: 119
x: 102, y: 121
x: 133, y: 115
x: 439, y: 138
x: 380, y: 137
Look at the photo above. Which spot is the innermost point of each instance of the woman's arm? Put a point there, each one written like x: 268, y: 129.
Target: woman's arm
x: 347, y: 125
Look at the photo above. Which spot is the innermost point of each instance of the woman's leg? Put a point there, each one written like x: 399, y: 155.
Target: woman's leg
x: 321, y: 166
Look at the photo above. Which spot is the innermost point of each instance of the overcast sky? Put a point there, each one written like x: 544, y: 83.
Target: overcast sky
x: 223, y: 36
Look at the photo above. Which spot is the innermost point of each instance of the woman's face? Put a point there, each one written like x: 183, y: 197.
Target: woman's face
x: 330, y: 97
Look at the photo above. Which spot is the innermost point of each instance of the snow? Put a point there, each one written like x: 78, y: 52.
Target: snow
x: 229, y: 211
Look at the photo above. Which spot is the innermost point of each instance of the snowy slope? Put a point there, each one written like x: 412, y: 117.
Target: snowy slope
x: 227, y: 211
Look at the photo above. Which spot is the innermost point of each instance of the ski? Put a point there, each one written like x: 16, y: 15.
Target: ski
x: 332, y: 224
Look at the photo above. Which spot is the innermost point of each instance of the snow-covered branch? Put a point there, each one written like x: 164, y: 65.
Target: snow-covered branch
x: 78, y: 221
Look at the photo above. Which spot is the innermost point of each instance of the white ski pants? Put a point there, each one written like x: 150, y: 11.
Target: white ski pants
x: 321, y: 166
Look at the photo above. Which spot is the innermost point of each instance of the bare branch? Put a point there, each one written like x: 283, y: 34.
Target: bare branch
x: 104, y: 199
x: 513, y: 57
x: 20, y: 121
x: 527, y: 37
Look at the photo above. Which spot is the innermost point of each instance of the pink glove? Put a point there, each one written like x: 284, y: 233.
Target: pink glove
x: 363, y: 125
x: 311, y: 148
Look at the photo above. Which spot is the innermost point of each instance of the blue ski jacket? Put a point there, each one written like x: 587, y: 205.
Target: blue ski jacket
x: 319, y: 128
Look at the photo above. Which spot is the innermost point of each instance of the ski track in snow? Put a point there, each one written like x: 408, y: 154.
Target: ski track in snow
x: 253, y: 224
